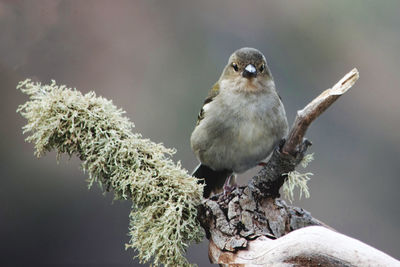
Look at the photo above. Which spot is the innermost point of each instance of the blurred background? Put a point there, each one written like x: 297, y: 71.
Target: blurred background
x: 157, y: 60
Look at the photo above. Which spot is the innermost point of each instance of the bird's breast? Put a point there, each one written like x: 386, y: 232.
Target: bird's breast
x: 239, y: 130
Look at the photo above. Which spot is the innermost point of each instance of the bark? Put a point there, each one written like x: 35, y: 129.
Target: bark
x: 252, y: 226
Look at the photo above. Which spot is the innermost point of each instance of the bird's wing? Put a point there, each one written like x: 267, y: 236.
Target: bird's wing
x: 211, y: 95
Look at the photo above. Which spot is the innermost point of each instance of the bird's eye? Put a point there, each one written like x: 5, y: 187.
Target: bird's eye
x: 262, y: 67
x: 235, y: 66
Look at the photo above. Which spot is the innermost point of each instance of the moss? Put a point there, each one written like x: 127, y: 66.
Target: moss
x: 296, y: 179
x: 164, y: 196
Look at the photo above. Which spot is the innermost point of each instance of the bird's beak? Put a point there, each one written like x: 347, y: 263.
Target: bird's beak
x: 250, y: 71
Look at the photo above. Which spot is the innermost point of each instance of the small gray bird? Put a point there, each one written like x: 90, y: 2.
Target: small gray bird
x: 241, y: 121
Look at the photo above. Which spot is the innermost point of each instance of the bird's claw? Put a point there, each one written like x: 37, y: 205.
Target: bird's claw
x: 227, y: 187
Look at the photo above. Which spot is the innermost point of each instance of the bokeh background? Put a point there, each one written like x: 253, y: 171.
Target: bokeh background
x: 157, y: 60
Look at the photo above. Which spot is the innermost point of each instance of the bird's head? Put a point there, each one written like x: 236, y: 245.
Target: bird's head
x: 247, y: 69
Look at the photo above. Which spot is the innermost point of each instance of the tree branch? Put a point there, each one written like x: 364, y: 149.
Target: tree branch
x: 310, y: 246
x: 315, y: 108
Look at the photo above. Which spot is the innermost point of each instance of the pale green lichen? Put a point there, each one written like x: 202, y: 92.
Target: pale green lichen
x: 296, y: 179
x: 306, y: 160
x: 164, y: 196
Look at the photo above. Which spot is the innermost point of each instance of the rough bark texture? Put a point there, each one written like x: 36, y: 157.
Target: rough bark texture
x: 253, y: 213
x: 273, y: 174
x: 233, y: 220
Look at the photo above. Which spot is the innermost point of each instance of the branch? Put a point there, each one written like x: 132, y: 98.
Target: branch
x: 310, y: 246
x: 315, y: 108
x: 164, y: 196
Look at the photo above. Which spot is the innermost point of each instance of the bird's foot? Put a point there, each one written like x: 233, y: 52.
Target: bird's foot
x: 228, y: 188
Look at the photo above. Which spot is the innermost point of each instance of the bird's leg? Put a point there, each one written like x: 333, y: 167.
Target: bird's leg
x: 227, y: 187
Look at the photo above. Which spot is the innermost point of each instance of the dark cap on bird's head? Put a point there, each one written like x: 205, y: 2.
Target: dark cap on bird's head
x: 248, y: 54
x: 249, y: 62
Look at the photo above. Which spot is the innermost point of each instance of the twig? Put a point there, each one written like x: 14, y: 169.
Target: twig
x: 308, y: 114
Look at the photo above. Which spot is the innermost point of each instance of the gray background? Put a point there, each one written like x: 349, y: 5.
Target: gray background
x: 157, y: 60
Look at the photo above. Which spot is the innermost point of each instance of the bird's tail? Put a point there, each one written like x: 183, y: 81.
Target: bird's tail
x: 214, y: 180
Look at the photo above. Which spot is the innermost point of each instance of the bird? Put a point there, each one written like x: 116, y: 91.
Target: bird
x: 242, y: 120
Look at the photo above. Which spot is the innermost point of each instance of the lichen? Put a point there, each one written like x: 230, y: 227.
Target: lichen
x: 296, y: 179
x: 306, y: 160
x: 164, y: 196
